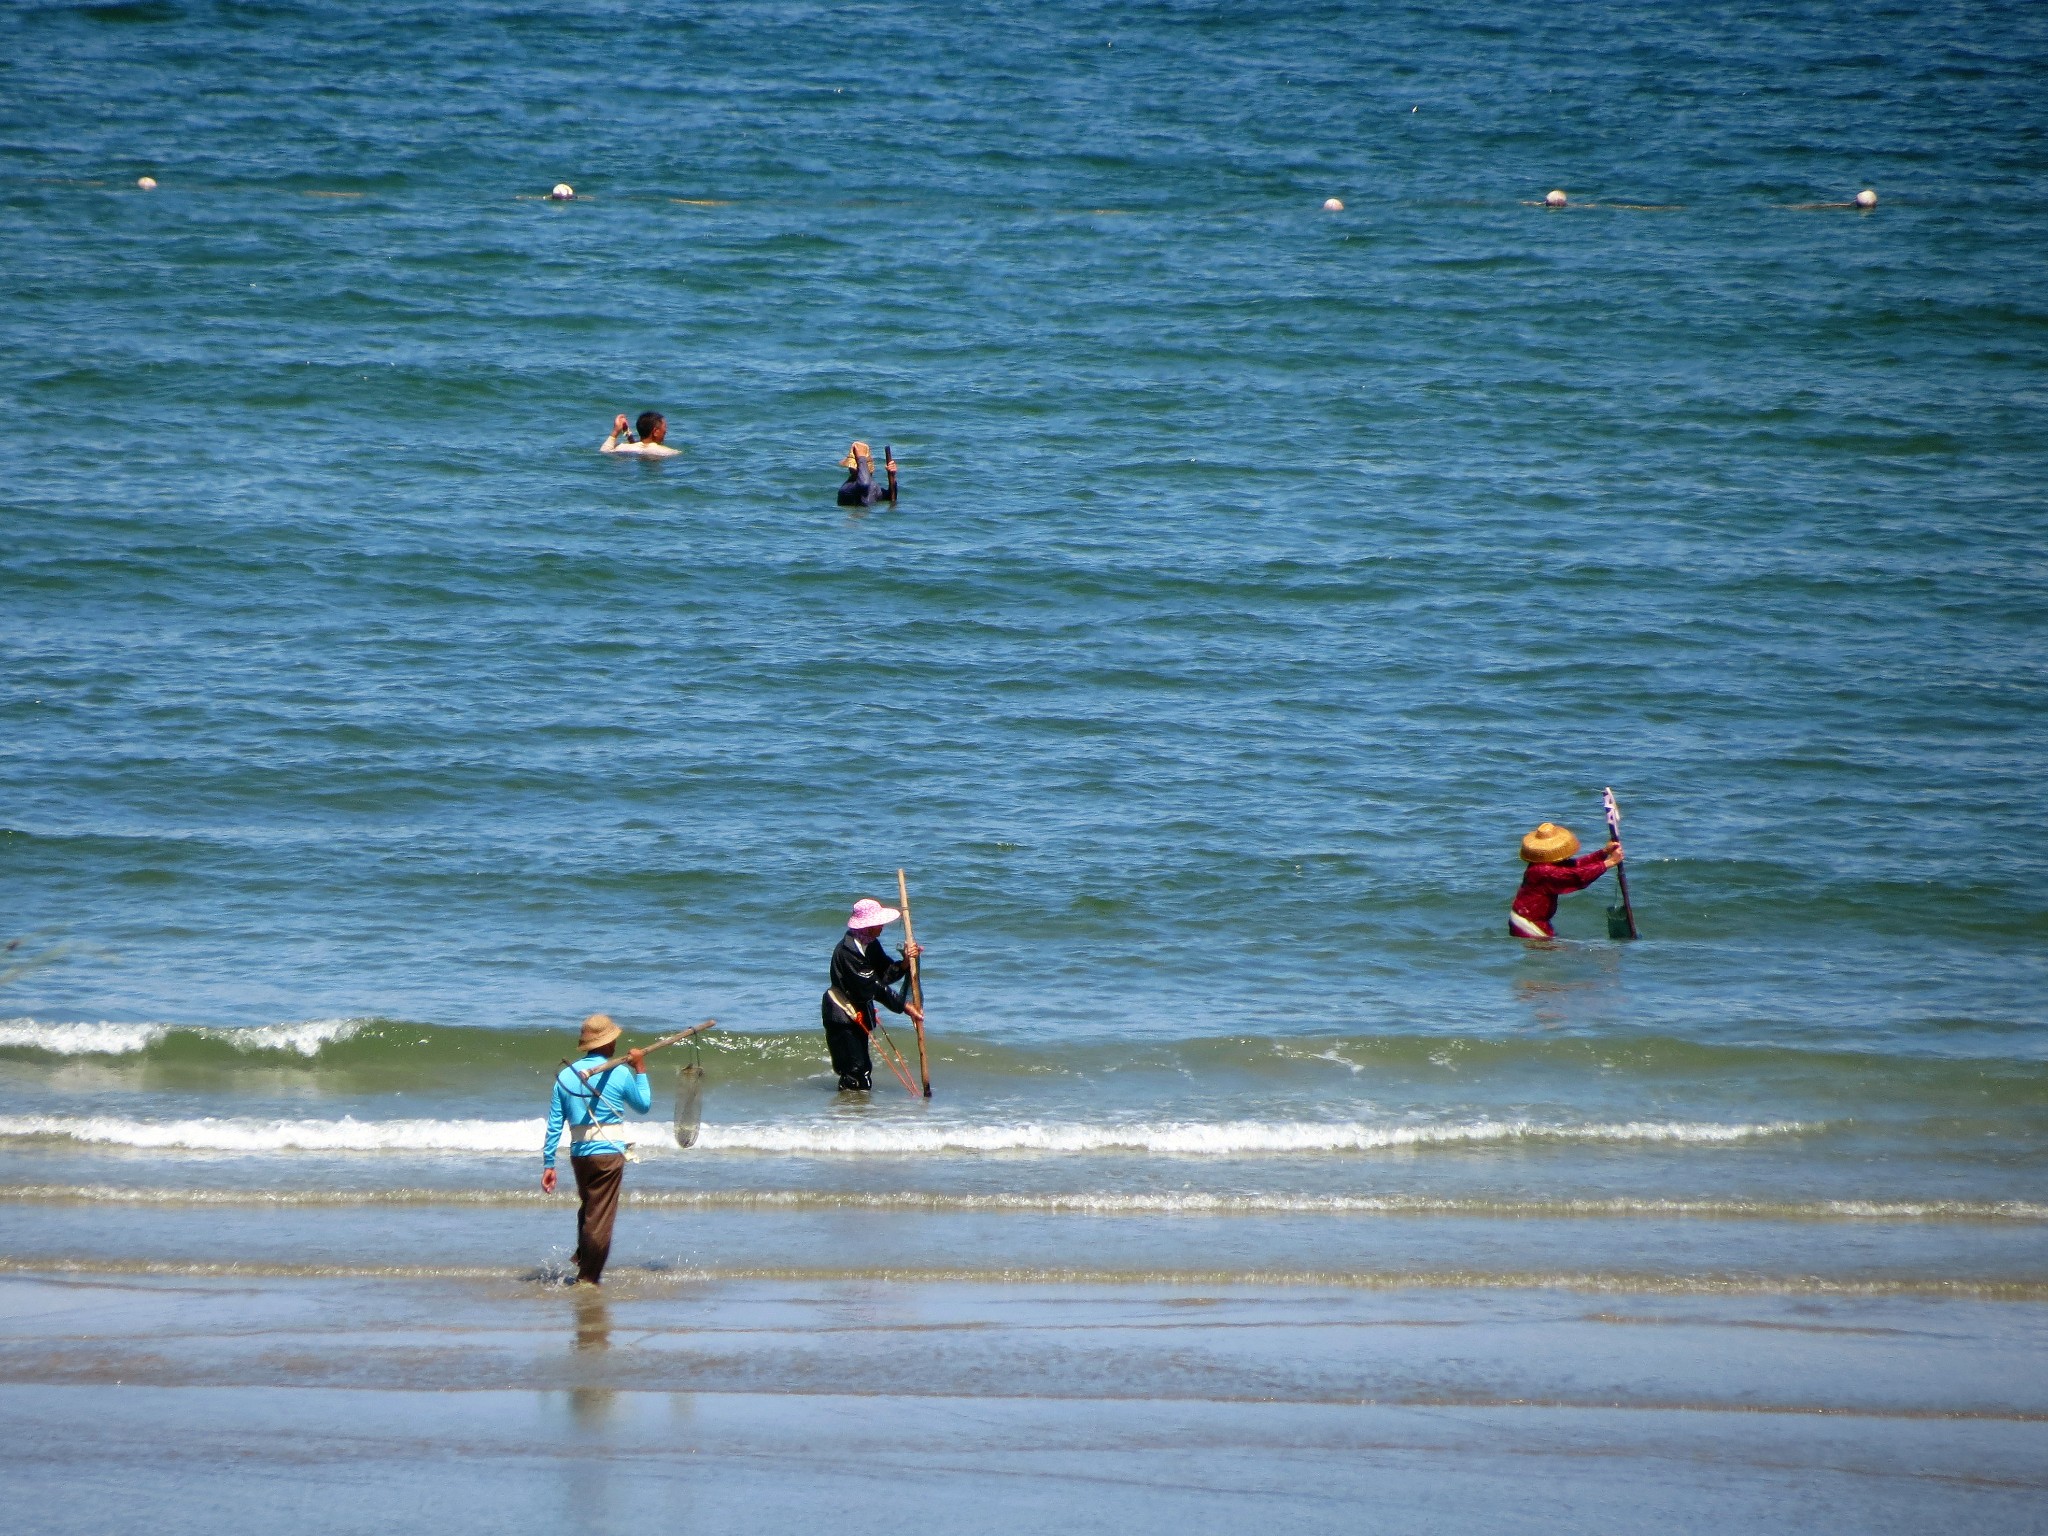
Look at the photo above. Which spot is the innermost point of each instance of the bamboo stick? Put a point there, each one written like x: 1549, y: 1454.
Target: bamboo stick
x: 695, y: 1029
x: 924, y: 1070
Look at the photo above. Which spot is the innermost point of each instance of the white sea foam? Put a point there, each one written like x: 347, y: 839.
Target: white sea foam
x: 108, y: 1039
x: 1088, y: 1203
x: 81, y: 1039
x: 1229, y: 1138
x: 251, y: 1135
x: 306, y: 1038
x: 1236, y: 1138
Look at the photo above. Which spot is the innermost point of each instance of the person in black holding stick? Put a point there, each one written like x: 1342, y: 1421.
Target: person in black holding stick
x: 862, y: 974
x: 859, y: 488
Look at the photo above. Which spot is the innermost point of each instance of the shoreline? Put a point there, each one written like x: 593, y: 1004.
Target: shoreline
x: 1121, y: 1337
x: 639, y: 1281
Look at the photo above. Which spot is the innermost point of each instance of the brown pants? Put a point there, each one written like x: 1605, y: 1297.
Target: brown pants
x: 598, y: 1179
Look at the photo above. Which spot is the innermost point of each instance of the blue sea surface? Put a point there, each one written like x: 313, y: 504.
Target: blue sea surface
x: 1261, y: 574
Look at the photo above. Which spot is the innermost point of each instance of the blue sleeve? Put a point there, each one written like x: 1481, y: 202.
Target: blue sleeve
x: 638, y: 1092
x: 557, y: 1108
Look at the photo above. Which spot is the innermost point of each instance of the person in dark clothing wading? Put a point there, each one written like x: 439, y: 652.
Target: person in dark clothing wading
x: 859, y: 488
x: 862, y: 974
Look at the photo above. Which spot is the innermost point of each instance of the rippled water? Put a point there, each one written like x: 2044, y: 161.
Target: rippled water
x: 1261, y: 574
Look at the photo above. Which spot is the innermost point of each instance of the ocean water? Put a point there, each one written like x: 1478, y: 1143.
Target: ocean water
x: 1261, y: 574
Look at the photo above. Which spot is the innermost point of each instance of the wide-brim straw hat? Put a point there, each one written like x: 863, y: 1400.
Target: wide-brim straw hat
x: 598, y: 1030
x: 1548, y: 844
x: 870, y: 913
x: 856, y: 452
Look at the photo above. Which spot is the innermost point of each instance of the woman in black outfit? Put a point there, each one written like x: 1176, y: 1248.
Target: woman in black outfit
x: 862, y: 975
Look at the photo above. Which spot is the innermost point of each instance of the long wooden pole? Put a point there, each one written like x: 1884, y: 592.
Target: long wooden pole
x: 694, y: 1029
x: 924, y: 1070
x: 679, y: 1035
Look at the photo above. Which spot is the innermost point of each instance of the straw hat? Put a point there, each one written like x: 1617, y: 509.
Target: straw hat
x: 857, y: 451
x: 1548, y: 844
x: 870, y: 913
x: 598, y: 1030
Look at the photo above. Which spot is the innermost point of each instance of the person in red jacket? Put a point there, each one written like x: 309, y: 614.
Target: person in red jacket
x: 1553, y: 872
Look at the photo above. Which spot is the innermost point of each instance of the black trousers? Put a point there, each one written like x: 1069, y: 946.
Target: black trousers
x: 848, y: 1043
x: 598, y: 1180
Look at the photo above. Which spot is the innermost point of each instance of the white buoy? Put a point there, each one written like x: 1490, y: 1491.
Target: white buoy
x: 147, y: 183
x: 1866, y: 198
x: 1332, y: 205
x: 562, y: 192
x: 1554, y: 200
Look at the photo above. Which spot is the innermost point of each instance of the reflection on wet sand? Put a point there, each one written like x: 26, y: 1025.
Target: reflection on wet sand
x: 590, y: 1405
x: 1150, y: 1406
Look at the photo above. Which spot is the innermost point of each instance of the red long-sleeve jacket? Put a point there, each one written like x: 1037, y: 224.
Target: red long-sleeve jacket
x: 1542, y: 884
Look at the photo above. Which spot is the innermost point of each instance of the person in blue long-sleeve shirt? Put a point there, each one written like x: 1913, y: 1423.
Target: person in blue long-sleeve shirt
x: 594, y: 1109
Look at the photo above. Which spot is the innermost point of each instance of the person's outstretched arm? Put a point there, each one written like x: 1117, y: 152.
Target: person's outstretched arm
x: 1588, y: 867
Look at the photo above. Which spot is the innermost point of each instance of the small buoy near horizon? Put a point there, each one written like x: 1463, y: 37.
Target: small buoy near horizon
x: 1333, y: 205
x: 1554, y: 199
x: 561, y: 193
x: 1866, y: 198
x: 147, y: 183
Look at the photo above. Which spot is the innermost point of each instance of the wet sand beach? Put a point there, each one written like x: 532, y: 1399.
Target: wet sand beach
x: 189, y: 1403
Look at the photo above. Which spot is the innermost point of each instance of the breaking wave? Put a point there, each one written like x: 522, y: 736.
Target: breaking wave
x: 1235, y: 1138
x: 307, y: 1039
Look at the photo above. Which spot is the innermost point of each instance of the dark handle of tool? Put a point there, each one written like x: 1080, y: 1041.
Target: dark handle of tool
x: 1628, y: 910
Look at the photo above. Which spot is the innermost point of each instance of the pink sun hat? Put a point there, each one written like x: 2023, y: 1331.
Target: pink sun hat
x: 870, y: 913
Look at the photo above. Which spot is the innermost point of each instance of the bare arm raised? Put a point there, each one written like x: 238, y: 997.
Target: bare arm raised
x: 650, y: 443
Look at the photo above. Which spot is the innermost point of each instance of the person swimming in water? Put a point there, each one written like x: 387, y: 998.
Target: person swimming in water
x: 647, y: 441
x: 859, y: 488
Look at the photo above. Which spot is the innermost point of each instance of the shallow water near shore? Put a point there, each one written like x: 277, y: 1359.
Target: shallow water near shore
x: 1261, y: 575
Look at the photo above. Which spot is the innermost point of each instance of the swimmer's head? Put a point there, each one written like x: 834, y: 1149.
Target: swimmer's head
x: 652, y: 426
x: 1555, y: 199
x: 859, y: 453
x: 1866, y: 198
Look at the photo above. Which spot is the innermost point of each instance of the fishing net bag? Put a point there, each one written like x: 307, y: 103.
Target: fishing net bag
x: 689, y: 1103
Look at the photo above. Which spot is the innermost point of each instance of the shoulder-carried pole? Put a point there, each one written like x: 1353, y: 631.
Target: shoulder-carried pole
x: 695, y: 1029
x: 924, y: 1070
x: 1628, y: 912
